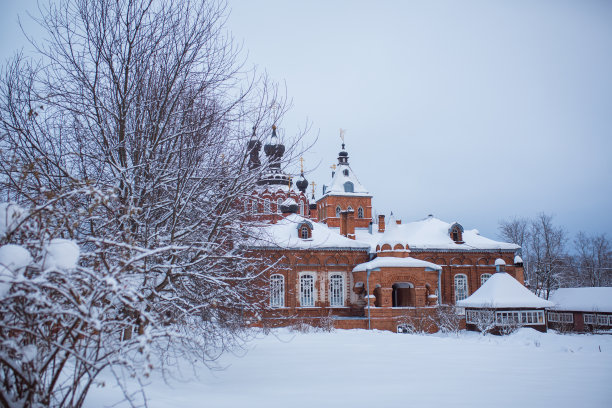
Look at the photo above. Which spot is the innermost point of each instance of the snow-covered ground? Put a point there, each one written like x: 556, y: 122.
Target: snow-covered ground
x: 357, y: 368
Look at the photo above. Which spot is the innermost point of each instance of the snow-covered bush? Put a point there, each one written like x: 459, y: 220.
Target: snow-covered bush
x: 143, y: 171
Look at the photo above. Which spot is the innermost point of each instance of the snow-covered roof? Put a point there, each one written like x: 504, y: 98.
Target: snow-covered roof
x: 344, y: 174
x: 499, y: 262
x: 430, y: 233
x: 583, y: 299
x: 518, y: 260
x: 393, y: 262
x: 503, y: 291
x: 284, y: 234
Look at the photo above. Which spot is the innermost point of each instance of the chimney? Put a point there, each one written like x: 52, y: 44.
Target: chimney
x: 347, y: 224
x: 381, y: 223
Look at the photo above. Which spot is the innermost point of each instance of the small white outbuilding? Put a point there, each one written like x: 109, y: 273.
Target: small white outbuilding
x: 503, y: 302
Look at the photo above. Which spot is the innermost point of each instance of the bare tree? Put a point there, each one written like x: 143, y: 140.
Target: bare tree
x: 547, y: 254
x: 131, y: 130
x: 517, y: 231
x: 594, y: 260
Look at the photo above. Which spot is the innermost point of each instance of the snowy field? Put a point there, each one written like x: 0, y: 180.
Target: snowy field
x: 357, y: 368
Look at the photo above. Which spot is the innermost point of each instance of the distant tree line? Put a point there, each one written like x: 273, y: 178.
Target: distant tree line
x: 552, y: 259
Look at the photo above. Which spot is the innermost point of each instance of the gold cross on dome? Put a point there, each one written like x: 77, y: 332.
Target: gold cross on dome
x: 302, y: 164
x: 333, y: 167
x: 289, y: 185
x: 313, y: 184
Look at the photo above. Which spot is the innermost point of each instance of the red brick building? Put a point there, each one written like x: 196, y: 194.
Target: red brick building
x: 331, y: 258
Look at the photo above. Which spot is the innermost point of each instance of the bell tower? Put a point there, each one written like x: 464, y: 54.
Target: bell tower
x: 345, y: 197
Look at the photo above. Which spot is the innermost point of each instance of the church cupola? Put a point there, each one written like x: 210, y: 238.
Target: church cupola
x: 343, y: 156
x: 302, y: 183
x: 274, y: 151
x: 253, y: 149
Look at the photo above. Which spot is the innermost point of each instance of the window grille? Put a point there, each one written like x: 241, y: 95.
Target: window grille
x: 254, y: 207
x: 277, y: 291
x: 590, y: 319
x: 338, y: 209
x: 266, y: 206
x: 603, y: 320
x: 560, y: 317
x: 307, y: 291
x: 461, y: 287
x: 246, y: 206
x: 336, y: 290
x: 360, y: 212
x: 304, y: 232
x: 484, y: 277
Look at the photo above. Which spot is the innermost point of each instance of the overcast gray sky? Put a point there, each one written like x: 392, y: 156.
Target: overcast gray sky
x: 472, y: 110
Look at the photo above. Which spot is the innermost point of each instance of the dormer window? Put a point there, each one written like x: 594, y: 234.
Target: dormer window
x: 305, y: 230
x: 345, y: 172
x: 349, y: 187
x: 456, y: 233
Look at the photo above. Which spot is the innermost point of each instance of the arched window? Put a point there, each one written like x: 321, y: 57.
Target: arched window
x: 360, y: 212
x: 267, y: 206
x: 338, y: 209
x: 254, y: 207
x: 349, y: 187
x: 345, y: 172
x: 350, y: 208
x: 246, y: 206
x: 484, y: 277
x: 278, y: 205
x: 277, y: 291
x: 307, y: 296
x: 302, y: 208
x: 336, y: 290
x: 304, y: 233
x: 461, y: 287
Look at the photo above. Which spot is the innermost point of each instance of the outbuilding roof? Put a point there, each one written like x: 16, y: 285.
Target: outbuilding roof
x: 583, y: 299
x: 503, y: 291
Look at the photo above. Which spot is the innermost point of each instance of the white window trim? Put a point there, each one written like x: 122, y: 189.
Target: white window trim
x: 266, y: 206
x: 509, y: 317
x: 467, y: 292
x: 336, y: 299
x: 314, y: 289
x: 558, y: 317
x: 597, y: 319
x: 277, y: 291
